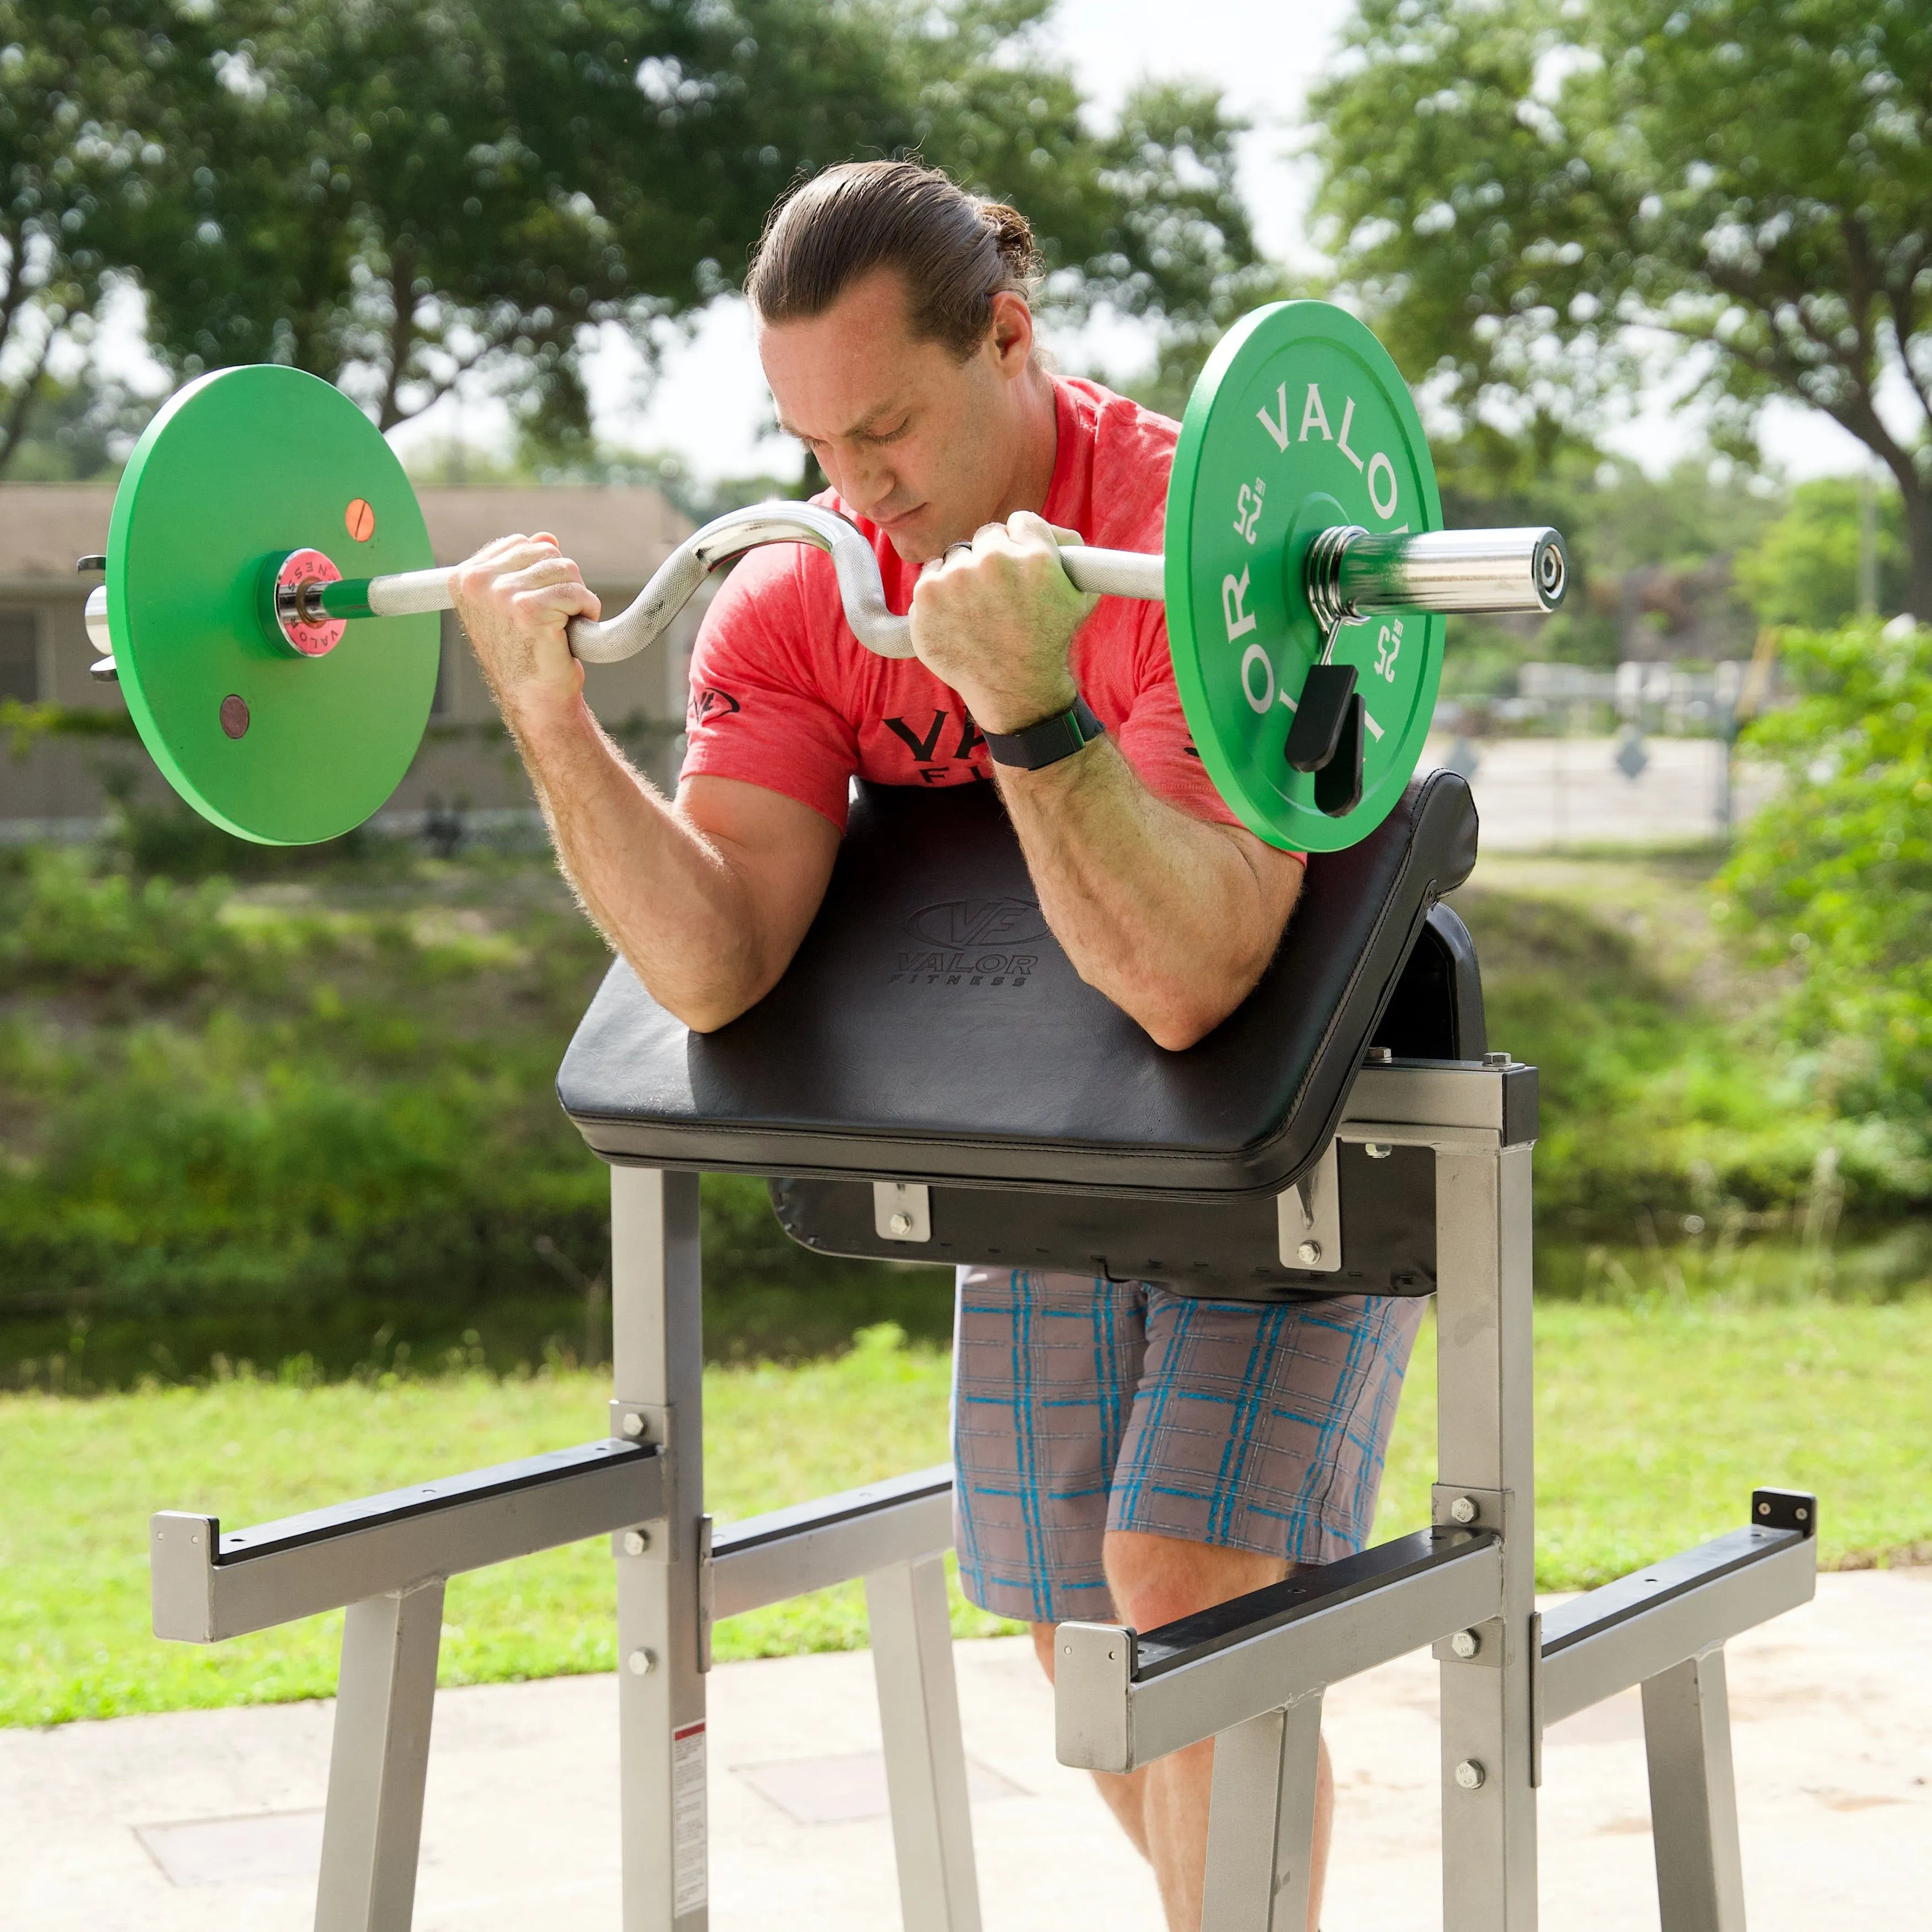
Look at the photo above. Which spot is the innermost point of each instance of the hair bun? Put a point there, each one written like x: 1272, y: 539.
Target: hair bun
x: 1013, y: 235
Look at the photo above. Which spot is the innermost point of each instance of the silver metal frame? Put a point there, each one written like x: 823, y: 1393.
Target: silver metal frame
x: 1251, y: 1674
x: 372, y: 1831
x: 206, y: 1586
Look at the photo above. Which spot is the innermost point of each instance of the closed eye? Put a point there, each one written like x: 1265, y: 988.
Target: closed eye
x: 818, y: 445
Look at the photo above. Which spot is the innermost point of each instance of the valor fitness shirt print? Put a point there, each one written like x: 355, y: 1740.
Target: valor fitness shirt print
x: 783, y: 695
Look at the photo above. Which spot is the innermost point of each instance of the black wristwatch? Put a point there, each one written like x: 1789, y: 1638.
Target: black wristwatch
x: 1049, y: 741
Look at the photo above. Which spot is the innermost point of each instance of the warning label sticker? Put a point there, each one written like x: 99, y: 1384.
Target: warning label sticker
x: 687, y: 1826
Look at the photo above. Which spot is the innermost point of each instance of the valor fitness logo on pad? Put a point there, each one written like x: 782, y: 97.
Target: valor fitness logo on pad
x: 972, y: 943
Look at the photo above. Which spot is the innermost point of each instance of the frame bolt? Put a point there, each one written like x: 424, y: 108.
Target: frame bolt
x: 1469, y: 1775
x: 900, y: 1223
x: 1309, y: 1253
x: 636, y: 1542
x: 1495, y: 1060
x: 641, y: 1663
x: 1463, y: 1509
x: 1465, y: 1643
x: 634, y: 1426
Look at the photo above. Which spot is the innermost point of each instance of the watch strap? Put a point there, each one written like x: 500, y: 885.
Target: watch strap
x: 1049, y: 741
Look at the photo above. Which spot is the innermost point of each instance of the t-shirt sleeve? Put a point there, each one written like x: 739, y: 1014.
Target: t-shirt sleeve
x: 757, y: 711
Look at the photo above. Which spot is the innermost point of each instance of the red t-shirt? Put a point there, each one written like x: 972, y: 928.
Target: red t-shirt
x: 783, y: 695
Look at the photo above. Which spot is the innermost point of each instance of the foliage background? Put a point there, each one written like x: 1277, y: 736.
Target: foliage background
x: 1831, y: 889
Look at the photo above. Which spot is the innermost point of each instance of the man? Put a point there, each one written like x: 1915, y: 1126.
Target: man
x: 1121, y: 1451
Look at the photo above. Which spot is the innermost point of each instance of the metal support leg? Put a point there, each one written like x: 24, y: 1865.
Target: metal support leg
x: 1693, y: 1799
x: 657, y: 1346
x: 926, y: 1757
x: 1261, y: 1822
x: 1483, y: 1333
x: 373, y: 1829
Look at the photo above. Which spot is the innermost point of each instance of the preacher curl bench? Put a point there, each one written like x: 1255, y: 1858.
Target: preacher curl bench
x: 933, y: 1081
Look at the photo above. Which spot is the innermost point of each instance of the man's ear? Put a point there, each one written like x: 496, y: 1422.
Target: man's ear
x: 1012, y: 334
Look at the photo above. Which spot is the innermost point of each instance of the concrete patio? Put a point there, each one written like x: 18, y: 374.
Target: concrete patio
x: 210, y: 1821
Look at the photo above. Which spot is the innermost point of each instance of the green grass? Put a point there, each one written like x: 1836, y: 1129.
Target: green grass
x: 1654, y: 1419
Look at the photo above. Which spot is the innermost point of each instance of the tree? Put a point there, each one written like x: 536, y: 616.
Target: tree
x: 1803, y: 569
x: 399, y: 198
x: 1529, y: 193
x: 77, y: 429
x: 87, y: 107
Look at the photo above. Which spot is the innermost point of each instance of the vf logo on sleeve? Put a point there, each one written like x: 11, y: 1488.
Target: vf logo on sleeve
x: 973, y: 942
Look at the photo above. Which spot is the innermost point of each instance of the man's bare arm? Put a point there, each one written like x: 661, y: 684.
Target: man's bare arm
x: 707, y: 898
x: 1172, y: 918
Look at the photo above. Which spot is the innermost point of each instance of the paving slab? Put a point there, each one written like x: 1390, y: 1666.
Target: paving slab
x: 210, y: 1821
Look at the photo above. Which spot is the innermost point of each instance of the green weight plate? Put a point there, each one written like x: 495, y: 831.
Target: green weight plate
x: 241, y: 466
x: 1300, y: 422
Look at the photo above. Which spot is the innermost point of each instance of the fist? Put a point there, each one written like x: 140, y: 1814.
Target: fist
x: 514, y: 597
x: 993, y: 619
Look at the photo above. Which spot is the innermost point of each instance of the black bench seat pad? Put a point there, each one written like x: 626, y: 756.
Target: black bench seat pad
x: 930, y: 1029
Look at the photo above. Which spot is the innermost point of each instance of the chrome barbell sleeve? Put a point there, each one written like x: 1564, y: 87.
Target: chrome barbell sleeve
x: 1352, y: 574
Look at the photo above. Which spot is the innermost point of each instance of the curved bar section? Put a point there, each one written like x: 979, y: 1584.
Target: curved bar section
x: 681, y: 573
x: 1116, y: 573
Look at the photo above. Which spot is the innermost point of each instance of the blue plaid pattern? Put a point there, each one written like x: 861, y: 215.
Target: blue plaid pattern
x: 1081, y: 1405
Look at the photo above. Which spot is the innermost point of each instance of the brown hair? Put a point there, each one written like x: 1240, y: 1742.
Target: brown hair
x: 955, y: 251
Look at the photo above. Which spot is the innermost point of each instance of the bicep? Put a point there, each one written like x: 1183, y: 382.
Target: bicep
x: 781, y: 851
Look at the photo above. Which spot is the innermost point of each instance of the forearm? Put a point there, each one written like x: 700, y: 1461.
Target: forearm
x: 1170, y: 916
x: 665, y: 894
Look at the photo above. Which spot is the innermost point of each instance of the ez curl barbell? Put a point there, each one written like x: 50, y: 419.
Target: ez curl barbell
x: 1306, y: 577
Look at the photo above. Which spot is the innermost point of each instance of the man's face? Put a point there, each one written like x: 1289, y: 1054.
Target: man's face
x: 921, y: 443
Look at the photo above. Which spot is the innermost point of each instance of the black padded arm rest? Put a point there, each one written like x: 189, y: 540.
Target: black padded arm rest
x: 930, y: 1029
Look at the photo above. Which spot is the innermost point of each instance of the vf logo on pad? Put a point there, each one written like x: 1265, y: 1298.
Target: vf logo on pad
x: 972, y: 943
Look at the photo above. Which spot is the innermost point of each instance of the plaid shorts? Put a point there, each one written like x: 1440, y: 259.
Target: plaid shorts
x: 1081, y: 1405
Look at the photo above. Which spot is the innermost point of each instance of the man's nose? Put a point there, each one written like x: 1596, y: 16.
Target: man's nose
x: 866, y: 484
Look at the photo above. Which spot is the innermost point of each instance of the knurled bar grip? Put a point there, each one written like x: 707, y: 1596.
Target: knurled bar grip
x: 1350, y: 573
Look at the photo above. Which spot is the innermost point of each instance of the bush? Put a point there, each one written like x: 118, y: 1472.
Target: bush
x: 1832, y: 885
x: 1654, y: 1102
x: 69, y: 926
x: 318, y: 1113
